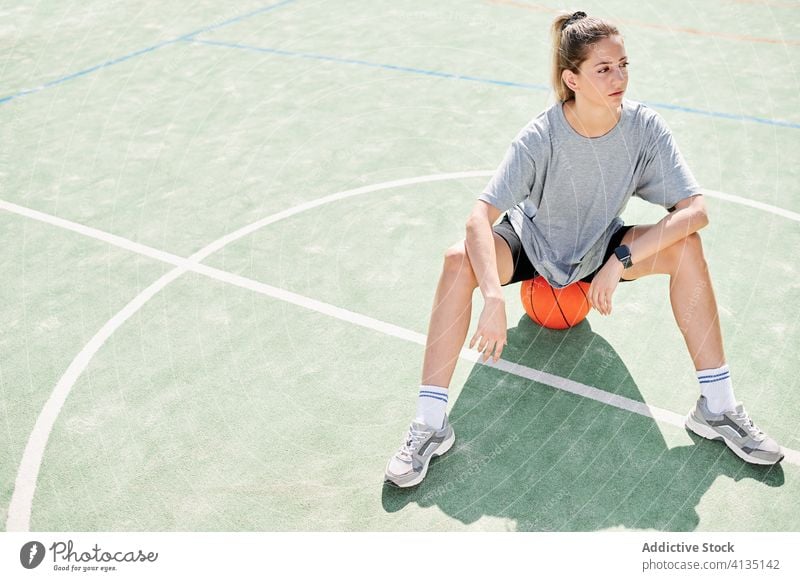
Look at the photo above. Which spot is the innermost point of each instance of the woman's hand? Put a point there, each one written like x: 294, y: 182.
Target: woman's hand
x: 604, y: 284
x: 491, y: 331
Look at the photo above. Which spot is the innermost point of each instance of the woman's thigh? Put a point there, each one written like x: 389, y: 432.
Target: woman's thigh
x: 513, y: 264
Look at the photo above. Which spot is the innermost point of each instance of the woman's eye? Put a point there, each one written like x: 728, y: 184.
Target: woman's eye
x: 604, y: 69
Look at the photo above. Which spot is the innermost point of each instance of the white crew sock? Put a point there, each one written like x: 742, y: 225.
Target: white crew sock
x: 716, y: 386
x: 432, y: 405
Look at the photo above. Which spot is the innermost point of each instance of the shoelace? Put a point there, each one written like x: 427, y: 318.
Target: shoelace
x: 413, y: 441
x: 748, y: 424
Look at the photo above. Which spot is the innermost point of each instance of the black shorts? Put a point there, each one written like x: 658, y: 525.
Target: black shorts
x: 524, y: 270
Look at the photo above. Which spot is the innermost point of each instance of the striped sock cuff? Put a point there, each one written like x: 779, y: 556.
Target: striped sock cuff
x: 713, y: 375
x: 433, y: 392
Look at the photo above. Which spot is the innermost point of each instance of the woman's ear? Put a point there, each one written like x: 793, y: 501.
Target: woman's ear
x: 569, y: 79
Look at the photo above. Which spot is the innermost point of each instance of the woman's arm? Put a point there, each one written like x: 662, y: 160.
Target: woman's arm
x: 491, y: 332
x: 689, y: 216
x: 480, y: 248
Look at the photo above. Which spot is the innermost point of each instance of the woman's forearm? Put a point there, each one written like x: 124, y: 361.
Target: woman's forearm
x: 670, y: 229
x: 481, y: 251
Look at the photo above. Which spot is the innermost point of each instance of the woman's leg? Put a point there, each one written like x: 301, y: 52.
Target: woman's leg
x: 691, y: 295
x: 447, y: 332
x: 452, y: 309
x: 695, y: 310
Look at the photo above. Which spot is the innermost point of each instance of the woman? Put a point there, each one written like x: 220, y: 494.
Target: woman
x: 564, y: 182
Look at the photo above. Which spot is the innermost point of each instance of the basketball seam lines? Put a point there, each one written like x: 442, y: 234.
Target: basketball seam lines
x: 533, y: 305
x: 555, y: 298
x: 584, y: 295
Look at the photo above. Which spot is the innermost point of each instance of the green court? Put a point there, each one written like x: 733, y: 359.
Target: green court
x: 222, y: 230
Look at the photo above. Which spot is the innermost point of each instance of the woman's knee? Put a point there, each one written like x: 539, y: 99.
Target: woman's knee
x: 457, y: 264
x: 688, y: 252
x: 694, y: 246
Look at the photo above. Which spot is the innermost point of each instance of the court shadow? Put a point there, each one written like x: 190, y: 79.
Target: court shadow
x: 554, y: 461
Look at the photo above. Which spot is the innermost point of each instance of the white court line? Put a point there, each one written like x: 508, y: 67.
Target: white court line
x: 753, y: 204
x: 19, y: 511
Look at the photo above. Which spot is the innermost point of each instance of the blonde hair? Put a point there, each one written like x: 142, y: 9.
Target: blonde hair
x: 571, y: 44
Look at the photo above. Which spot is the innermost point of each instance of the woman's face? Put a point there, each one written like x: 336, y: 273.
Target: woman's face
x: 603, y: 73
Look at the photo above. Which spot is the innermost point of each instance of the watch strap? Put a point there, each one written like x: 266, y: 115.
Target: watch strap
x: 623, y: 254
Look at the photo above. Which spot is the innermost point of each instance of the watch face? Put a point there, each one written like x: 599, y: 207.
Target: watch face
x: 624, y: 255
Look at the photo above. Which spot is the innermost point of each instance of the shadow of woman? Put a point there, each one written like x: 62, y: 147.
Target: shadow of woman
x: 554, y: 461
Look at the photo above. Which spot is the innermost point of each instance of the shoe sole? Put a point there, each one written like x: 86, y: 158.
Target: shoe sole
x: 710, y: 434
x: 443, y: 447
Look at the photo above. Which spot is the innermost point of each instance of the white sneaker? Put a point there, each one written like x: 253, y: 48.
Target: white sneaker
x: 409, y: 464
x: 738, y: 432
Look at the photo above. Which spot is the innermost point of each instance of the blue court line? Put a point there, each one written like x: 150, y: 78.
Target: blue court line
x: 766, y: 121
x: 134, y: 54
x: 309, y: 55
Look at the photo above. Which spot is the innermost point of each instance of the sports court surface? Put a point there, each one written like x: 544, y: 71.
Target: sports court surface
x: 222, y: 229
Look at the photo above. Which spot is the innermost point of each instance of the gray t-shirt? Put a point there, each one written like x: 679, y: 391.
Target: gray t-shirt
x: 565, y: 192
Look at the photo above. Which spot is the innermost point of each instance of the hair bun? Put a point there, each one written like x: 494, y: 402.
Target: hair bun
x: 574, y: 18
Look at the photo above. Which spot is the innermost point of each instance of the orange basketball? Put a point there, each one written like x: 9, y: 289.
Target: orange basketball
x: 555, y: 308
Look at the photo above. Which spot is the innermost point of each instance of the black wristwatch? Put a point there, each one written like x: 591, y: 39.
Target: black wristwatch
x: 623, y: 253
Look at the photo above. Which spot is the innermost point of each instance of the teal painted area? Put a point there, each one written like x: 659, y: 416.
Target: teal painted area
x: 230, y: 412
x: 58, y: 290
x: 378, y: 254
x: 552, y: 461
x: 399, y: 246
x: 749, y: 160
x: 509, y: 41
x: 216, y: 408
x: 759, y: 331
x: 234, y: 412
x: 731, y: 78
x: 50, y: 41
x: 177, y: 163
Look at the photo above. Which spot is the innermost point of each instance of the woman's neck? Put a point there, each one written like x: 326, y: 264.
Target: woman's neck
x: 590, y: 121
